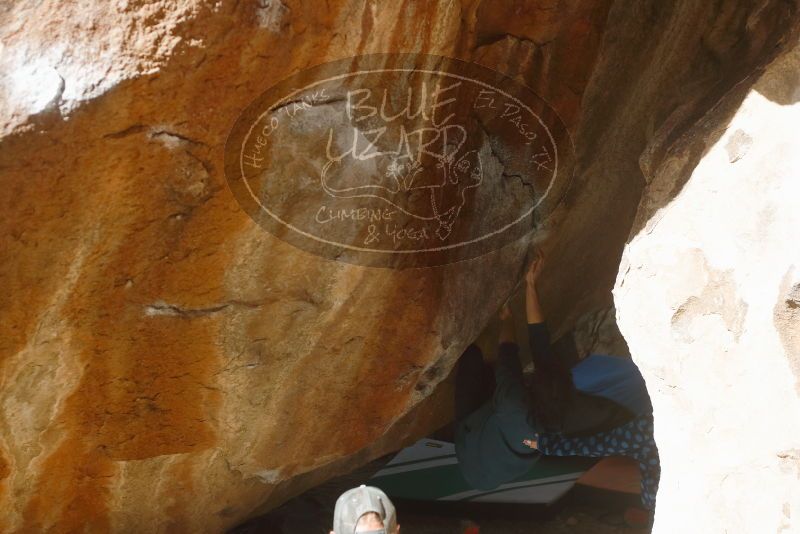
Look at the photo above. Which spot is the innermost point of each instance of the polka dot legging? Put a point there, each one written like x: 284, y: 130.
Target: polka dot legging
x: 633, y: 439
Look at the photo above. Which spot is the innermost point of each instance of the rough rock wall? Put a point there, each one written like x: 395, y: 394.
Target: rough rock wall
x: 169, y: 366
x: 707, y: 299
x: 662, y: 65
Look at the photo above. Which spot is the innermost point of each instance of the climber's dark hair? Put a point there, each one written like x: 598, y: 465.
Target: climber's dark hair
x: 550, y: 391
x: 556, y: 406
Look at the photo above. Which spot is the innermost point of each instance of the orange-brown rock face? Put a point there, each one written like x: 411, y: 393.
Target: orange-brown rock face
x: 168, y: 365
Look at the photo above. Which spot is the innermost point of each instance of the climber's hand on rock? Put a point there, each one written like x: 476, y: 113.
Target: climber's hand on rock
x: 532, y: 305
x: 535, y: 268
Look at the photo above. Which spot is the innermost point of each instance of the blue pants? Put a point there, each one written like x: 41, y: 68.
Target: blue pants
x: 634, y: 440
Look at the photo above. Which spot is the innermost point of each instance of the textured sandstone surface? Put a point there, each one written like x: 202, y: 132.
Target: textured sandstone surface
x: 167, y: 366
x: 712, y: 280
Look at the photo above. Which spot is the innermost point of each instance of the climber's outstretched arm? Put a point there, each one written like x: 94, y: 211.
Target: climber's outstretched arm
x: 532, y: 306
x: 538, y: 335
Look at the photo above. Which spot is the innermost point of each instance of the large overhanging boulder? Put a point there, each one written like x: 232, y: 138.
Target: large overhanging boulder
x: 167, y: 364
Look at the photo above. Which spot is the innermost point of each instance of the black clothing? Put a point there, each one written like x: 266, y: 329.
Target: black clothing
x: 558, y: 406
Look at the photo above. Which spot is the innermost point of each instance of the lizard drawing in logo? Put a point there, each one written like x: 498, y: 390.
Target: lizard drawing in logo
x: 428, y: 180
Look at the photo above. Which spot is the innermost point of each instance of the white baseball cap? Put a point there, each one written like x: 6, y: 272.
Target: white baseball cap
x: 354, y: 503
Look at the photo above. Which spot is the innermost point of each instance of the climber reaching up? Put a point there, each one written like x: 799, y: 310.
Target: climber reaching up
x: 565, y: 429
x: 504, y: 422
